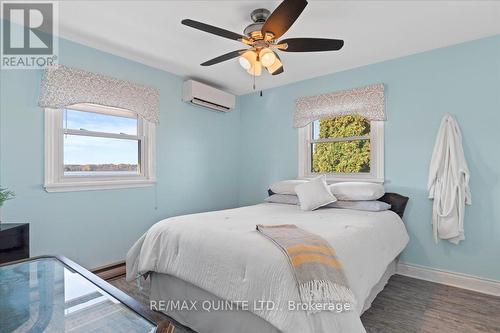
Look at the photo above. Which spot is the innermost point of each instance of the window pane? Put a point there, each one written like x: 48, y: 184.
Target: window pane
x: 93, y: 156
x: 97, y: 122
x: 343, y: 157
x: 340, y: 127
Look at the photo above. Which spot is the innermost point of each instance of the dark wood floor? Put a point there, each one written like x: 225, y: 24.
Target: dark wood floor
x: 409, y: 305
x: 412, y: 305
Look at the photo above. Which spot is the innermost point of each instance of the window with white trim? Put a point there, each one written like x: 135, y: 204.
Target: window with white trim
x: 90, y: 147
x: 343, y: 148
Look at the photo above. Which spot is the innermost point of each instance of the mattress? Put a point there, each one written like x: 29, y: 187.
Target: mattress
x: 166, y: 287
x: 220, y: 252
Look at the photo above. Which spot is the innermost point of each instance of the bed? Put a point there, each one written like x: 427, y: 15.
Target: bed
x: 218, y: 256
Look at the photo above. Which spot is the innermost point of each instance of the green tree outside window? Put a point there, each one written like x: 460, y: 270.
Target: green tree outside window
x: 351, y: 156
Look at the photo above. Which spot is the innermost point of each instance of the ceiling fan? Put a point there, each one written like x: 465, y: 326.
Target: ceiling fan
x: 262, y: 38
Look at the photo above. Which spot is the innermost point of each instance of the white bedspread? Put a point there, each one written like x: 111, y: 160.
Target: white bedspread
x: 222, y: 253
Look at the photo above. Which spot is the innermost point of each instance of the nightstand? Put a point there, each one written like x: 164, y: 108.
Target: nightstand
x: 14, y: 241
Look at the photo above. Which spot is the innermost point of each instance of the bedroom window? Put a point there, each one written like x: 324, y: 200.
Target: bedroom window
x: 344, y: 148
x: 90, y: 147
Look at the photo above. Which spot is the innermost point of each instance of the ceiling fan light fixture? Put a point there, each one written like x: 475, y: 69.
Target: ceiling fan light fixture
x: 275, y: 66
x: 263, y: 39
x: 267, y: 57
x: 256, y: 69
x: 245, y: 63
x: 248, y: 59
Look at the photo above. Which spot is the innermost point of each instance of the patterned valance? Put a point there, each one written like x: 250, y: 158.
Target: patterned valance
x: 367, y: 101
x: 63, y: 86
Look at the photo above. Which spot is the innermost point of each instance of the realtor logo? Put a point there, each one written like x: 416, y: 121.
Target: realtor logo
x: 28, y: 31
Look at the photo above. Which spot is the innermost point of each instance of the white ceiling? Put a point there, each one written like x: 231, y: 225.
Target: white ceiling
x: 150, y: 32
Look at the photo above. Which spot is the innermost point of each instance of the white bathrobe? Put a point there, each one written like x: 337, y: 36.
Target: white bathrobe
x: 449, y: 183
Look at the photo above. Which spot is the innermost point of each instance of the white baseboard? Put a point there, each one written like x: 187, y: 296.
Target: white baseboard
x: 464, y: 281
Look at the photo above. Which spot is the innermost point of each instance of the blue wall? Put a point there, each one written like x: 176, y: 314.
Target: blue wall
x: 463, y: 80
x: 200, y: 167
x: 197, y: 163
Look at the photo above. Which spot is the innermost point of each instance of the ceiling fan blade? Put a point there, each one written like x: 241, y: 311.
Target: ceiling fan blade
x: 213, y: 30
x: 223, y: 57
x: 283, y: 17
x: 312, y: 44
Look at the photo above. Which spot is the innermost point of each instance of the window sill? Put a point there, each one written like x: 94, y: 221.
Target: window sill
x: 347, y: 178
x: 97, y: 185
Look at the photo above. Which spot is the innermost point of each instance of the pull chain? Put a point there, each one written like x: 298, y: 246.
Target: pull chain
x: 254, y: 83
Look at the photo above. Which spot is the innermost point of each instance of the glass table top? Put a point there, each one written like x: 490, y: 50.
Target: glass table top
x: 44, y: 295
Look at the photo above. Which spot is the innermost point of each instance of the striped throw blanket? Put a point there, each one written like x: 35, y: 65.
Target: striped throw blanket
x: 318, y: 272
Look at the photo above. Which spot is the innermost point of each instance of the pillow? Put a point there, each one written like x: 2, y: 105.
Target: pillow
x: 370, y: 206
x: 314, y: 194
x: 357, y: 191
x: 286, y: 186
x: 287, y: 199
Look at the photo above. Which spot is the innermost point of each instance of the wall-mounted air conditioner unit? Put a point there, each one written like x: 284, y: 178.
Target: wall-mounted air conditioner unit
x: 200, y: 94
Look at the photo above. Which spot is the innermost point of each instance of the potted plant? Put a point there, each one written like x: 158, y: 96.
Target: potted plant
x: 5, y: 195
